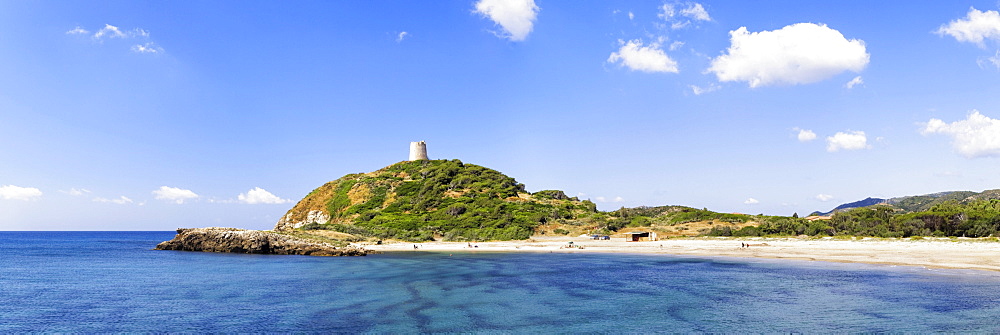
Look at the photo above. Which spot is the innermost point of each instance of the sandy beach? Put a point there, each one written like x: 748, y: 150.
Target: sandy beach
x: 960, y: 253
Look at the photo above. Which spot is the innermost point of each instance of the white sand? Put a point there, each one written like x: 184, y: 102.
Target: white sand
x: 930, y: 252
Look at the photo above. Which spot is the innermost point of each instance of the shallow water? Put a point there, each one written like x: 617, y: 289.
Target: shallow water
x: 114, y: 282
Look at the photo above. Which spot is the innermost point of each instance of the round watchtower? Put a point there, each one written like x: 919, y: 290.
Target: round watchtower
x: 418, y: 151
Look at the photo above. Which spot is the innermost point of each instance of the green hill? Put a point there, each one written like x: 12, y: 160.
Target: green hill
x: 432, y: 199
x: 920, y: 203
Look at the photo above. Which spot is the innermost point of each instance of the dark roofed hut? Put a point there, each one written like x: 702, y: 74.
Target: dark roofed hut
x: 640, y: 236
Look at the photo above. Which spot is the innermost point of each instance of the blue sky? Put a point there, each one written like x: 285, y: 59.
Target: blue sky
x: 134, y: 115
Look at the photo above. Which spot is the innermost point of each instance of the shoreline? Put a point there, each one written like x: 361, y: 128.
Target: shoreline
x: 945, y: 253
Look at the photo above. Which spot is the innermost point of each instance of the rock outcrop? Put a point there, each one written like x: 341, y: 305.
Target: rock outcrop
x: 288, y: 222
x: 215, y: 239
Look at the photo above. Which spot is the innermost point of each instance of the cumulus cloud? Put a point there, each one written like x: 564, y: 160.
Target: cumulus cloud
x: 401, y: 36
x: 974, y: 28
x: 976, y: 136
x: 805, y: 135
x: 120, y: 200
x: 751, y: 201
x: 258, y: 195
x: 516, y: 17
x: 631, y: 16
x: 850, y: 140
x: 637, y: 57
x: 801, y: 53
x: 854, y: 82
x: 11, y: 192
x: 174, y: 194
x: 824, y: 197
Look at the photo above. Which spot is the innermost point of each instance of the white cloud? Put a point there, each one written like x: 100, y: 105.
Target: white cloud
x: 76, y: 191
x: 678, y: 19
x: 698, y: 90
x: 806, y: 135
x: 113, y: 32
x: 850, y: 140
x: 801, y: 53
x: 120, y: 200
x: 856, y: 81
x: 78, y: 31
x: 976, y: 136
x: 516, y: 17
x: 824, y: 197
x: 109, y: 31
x: 990, y: 61
x: 631, y: 16
x: 974, y: 28
x: 174, y: 194
x: 751, y: 201
x: 258, y: 195
x: 675, y: 45
x: 147, y: 48
x: 11, y: 192
x: 666, y: 11
x: 401, y: 36
x: 637, y: 57
x: 696, y: 12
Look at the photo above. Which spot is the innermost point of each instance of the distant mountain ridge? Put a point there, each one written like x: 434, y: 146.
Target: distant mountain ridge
x: 917, y: 203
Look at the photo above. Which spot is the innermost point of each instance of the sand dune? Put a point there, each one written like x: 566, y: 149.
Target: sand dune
x: 958, y: 253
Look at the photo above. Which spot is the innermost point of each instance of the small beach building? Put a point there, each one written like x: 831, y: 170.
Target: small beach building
x: 640, y: 236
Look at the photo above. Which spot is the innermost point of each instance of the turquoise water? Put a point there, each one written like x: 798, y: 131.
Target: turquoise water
x: 112, y: 282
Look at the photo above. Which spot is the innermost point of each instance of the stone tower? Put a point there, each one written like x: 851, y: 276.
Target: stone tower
x: 418, y: 151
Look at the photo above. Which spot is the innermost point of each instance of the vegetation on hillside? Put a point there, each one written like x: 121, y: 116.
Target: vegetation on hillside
x: 453, y: 201
x: 921, y: 203
x: 978, y: 218
x: 421, y: 200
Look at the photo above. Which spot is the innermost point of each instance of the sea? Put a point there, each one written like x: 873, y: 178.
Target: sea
x: 114, y: 282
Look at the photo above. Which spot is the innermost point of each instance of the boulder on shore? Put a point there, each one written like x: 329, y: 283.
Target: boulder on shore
x: 215, y: 239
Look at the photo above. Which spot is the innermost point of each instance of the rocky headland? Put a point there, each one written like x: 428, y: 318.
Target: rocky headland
x: 215, y: 239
